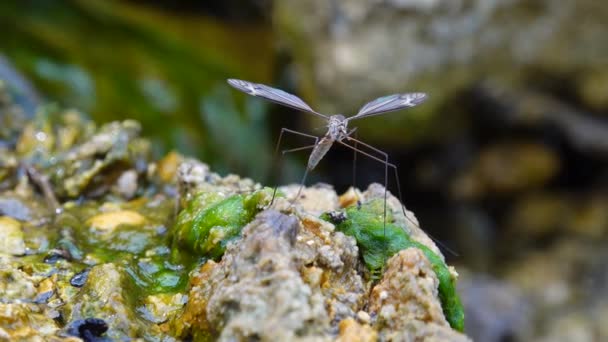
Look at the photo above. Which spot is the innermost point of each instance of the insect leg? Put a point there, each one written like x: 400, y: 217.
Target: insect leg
x: 385, y: 162
x: 298, y: 149
x: 354, y: 132
x: 276, y: 152
x: 394, y: 167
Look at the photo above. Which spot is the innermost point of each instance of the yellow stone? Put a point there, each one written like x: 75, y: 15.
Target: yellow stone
x: 111, y: 220
x: 352, y: 331
x: 167, y: 167
x: 11, y: 236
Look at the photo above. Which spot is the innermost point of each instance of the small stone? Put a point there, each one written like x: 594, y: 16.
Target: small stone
x: 109, y: 221
x: 352, y: 331
x: 11, y: 236
x: 80, y: 278
x: 351, y: 197
x: 15, y: 209
x: 89, y: 329
x: 363, y: 317
x: 167, y: 167
x: 55, y: 255
x: 126, y: 185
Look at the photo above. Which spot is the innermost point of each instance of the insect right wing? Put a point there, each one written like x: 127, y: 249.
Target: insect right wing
x: 390, y: 103
x: 272, y: 94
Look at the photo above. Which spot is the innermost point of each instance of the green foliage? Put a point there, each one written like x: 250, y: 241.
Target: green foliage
x: 118, y: 59
x: 378, y: 242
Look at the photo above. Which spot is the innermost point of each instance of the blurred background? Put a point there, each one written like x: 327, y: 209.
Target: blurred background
x: 506, y: 163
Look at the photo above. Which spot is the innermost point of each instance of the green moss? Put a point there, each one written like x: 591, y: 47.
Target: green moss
x: 210, y: 221
x: 377, y: 243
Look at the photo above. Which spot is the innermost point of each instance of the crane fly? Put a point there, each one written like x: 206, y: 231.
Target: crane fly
x: 337, y: 127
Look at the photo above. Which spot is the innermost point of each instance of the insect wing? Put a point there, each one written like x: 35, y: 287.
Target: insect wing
x: 390, y: 103
x: 275, y: 95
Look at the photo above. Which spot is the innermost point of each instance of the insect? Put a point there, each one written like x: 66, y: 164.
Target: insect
x: 337, y: 126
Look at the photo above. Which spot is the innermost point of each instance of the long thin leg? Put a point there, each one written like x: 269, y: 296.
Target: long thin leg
x: 301, y: 186
x: 276, y: 151
x: 298, y: 149
x: 354, y: 132
x: 394, y: 167
x: 305, y: 172
x: 386, y: 166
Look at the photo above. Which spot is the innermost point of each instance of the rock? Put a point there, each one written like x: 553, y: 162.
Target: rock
x: 402, y: 216
x: 126, y: 185
x: 283, y: 281
x: 256, y: 290
x: 11, y: 236
x: 25, y: 322
x: 14, y: 208
x: 350, y: 330
x: 110, y: 220
x: 406, y: 300
x: 15, y: 285
x: 315, y: 199
x: 168, y: 166
x: 162, y: 307
x: 104, y: 297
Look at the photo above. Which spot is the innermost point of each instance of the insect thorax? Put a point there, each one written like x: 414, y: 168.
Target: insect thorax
x: 337, y: 127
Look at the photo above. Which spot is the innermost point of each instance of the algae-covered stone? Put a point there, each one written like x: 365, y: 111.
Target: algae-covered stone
x: 15, y: 285
x: 378, y: 240
x: 25, y: 322
x: 105, y: 296
x: 408, y: 293
x: 256, y: 291
x: 212, y: 220
x: 11, y: 236
x: 162, y: 307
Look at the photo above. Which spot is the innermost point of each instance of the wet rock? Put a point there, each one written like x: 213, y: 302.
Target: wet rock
x: 256, y: 291
x: 15, y: 285
x: 126, y: 184
x: 11, y: 236
x: 110, y: 220
x: 56, y: 255
x: 162, y: 307
x: 168, y: 166
x: 104, y: 297
x: 406, y: 300
x: 406, y: 220
x: 90, y: 329
x: 25, y: 322
x: 14, y: 208
x: 80, y: 278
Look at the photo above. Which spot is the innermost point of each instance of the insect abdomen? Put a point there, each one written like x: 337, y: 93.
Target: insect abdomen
x: 319, y: 152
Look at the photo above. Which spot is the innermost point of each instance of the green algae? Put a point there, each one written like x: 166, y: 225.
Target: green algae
x: 377, y: 243
x: 211, y: 220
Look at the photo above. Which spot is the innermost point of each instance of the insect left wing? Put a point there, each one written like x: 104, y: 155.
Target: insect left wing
x: 390, y: 103
x: 275, y: 95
